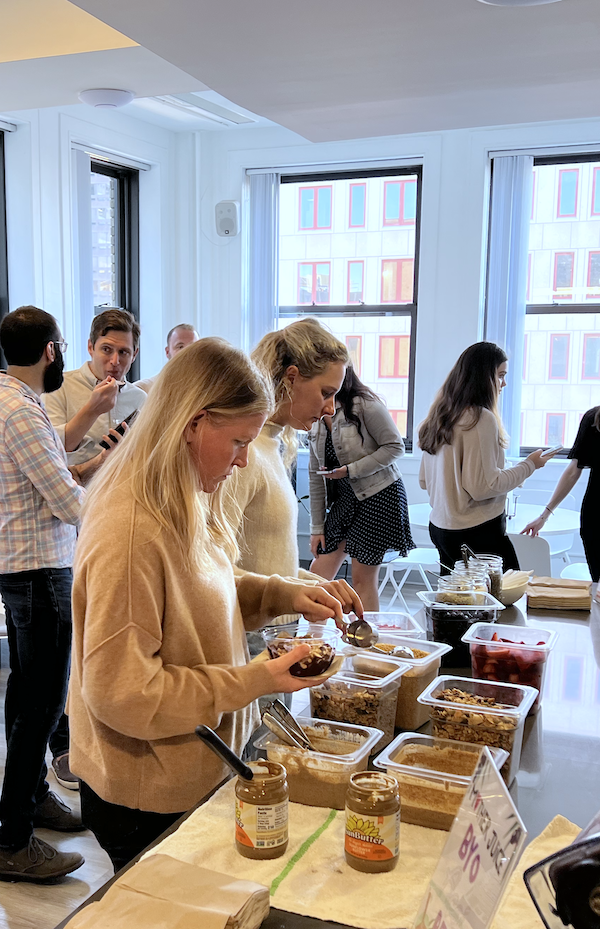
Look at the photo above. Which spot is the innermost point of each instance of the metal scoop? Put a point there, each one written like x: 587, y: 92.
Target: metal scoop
x: 360, y: 634
x: 399, y: 651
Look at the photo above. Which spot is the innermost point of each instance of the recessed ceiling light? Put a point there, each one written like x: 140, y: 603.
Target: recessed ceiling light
x: 106, y: 98
x: 517, y: 2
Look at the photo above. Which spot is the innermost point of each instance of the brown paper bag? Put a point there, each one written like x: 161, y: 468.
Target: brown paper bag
x: 161, y: 892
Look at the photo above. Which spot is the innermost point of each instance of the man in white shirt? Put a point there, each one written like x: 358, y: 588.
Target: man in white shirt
x: 181, y: 335
x: 96, y: 397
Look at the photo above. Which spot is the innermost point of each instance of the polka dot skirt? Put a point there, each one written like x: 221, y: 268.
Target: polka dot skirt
x: 370, y: 527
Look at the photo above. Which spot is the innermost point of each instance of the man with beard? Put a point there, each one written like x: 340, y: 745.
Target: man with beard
x: 40, y: 503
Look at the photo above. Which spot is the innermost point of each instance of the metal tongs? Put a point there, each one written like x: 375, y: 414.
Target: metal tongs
x: 467, y: 553
x: 283, y: 724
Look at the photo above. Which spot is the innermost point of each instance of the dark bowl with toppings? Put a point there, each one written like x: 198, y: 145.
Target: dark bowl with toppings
x: 323, y: 642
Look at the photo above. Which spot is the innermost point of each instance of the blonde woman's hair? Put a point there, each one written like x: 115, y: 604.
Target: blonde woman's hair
x: 154, y: 459
x: 311, y: 348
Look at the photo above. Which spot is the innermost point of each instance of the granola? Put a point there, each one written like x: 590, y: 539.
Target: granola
x: 469, y: 725
x: 360, y: 705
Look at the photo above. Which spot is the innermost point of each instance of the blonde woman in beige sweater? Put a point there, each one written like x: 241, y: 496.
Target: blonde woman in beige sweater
x: 306, y: 365
x: 158, y: 616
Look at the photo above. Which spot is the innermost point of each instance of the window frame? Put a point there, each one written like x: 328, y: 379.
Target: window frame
x: 4, y: 305
x: 562, y: 416
x: 397, y: 343
x: 362, y: 225
x: 399, y: 265
x: 401, y: 221
x: 356, y: 261
x: 127, y: 241
x: 572, y: 215
x: 358, y: 336
x: 584, y: 376
x: 565, y: 376
x: 385, y: 309
x: 314, y: 279
x: 315, y: 227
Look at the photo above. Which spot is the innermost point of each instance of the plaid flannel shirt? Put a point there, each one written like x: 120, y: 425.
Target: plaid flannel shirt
x: 40, y: 502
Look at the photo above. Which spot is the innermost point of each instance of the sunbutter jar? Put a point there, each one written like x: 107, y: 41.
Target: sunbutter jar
x: 261, y: 811
x: 372, y: 842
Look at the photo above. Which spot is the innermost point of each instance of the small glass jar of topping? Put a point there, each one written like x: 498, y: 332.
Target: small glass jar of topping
x: 456, y: 590
x: 372, y: 842
x: 261, y: 811
x: 495, y: 570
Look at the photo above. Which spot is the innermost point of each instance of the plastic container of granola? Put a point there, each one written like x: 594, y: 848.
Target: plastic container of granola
x: 515, y: 654
x: 398, y: 623
x: 364, y: 692
x: 424, y: 667
x: 323, y: 644
x: 448, y: 624
x: 468, y: 710
x: 433, y: 775
x: 321, y: 778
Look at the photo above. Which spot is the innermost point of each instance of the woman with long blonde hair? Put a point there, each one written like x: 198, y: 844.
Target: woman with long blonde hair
x: 158, y: 617
x: 462, y: 469
x: 305, y: 365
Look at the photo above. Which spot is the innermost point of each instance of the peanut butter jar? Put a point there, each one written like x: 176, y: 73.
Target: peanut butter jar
x: 372, y: 842
x: 261, y: 811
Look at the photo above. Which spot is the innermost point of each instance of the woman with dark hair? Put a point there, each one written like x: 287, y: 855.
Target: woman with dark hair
x: 462, y: 469
x: 584, y: 454
x: 359, y: 508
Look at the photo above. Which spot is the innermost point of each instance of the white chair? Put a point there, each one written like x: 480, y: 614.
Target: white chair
x: 560, y: 545
x: 578, y: 571
x: 419, y: 559
x: 533, y: 554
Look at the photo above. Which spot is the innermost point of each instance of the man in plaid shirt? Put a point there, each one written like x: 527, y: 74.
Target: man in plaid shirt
x: 40, y: 503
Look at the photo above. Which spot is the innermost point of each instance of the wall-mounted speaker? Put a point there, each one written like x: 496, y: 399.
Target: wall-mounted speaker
x: 227, y: 218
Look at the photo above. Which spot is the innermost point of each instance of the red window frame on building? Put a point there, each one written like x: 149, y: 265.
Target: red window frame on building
x: 594, y: 287
x: 401, y: 221
x: 315, y: 207
x: 401, y: 355
x: 561, y: 295
x: 594, y: 182
x: 352, y: 225
x: 551, y: 440
x: 561, y: 174
x: 399, y: 417
x: 402, y: 278
x: 362, y: 290
x: 354, y: 346
x: 314, y: 264
x: 588, y: 336
x: 553, y: 336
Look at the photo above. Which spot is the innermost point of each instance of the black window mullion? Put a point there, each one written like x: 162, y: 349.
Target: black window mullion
x: 3, y: 245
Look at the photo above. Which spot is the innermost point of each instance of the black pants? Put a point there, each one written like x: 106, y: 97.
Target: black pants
x: 123, y: 833
x: 58, y: 743
x: 591, y: 545
x: 38, y: 620
x: 487, y: 539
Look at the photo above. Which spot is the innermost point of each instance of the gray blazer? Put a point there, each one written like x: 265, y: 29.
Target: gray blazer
x: 371, y: 462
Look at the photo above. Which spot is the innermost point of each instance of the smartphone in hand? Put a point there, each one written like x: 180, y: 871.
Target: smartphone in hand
x: 121, y: 427
x: 552, y: 451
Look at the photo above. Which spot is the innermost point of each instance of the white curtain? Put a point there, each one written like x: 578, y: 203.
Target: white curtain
x: 512, y: 178
x: 263, y: 251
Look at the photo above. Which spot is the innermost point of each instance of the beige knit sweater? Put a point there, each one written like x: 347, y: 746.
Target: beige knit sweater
x: 157, y: 651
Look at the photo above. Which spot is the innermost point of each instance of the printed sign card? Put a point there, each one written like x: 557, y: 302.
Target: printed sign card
x: 483, y: 847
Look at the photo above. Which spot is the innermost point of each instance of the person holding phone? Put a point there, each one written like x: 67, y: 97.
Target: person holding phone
x: 358, y: 502
x: 584, y: 454
x: 158, y: 614
x: 462, y: 468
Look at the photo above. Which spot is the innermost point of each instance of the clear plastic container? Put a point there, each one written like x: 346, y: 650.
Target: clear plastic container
x: 519, y: 656
x: 448, y: 624
x: 423, y: 669
x: 495, y: 717
x: 321, y: 778
x: 433, y: 775
x: 398, y: 623
x: 323, y: 643
x: 364, y: 692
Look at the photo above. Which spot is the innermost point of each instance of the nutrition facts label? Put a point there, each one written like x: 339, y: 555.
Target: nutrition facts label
x: 263, y: 826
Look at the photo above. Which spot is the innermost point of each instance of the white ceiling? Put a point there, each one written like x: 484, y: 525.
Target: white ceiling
x: 340, y: 69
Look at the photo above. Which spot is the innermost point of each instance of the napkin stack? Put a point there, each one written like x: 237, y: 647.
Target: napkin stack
x: 559, y: 593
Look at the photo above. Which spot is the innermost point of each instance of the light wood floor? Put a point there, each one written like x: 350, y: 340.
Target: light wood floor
x: 31, y: 906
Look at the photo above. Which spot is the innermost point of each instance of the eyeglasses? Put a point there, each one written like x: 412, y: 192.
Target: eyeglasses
x: 63, y: 346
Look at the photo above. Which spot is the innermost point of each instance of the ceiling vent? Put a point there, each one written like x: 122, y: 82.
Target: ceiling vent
x: 204, y: 109
x: 517, y: 2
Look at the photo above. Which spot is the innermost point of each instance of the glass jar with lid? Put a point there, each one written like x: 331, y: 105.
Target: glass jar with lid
x: 495, y: 570
x: 372, y: 839
x: 457, y: 590
x: 261, y: 811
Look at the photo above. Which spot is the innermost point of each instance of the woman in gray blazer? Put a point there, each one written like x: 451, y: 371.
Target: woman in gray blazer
x: 357, y: 497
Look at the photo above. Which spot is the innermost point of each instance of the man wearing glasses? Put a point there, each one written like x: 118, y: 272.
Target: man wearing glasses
x: 40, y: 502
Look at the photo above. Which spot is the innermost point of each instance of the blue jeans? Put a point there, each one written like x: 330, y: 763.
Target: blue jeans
x: 38, y: 619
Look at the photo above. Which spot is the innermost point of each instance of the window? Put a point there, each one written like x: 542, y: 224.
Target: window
x: 397, y: 275
x: 115, y: 240
x: 563, y: 275
x: 354, y: 344
x: 399, y: 417
x: 393, y: 355
x: 400, y: 203
x: 591, y: 356
x: 555, y: 428
x: 559, y: 357
x: 315, y: 208
x: 360, y: 278
x: 358, y: 203
x: 356, y: 272
x: 563, y: 296
x: 568, y: 182
x: 313, y: 282
x: 3, y: 246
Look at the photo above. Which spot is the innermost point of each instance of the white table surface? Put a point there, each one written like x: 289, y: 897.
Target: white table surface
x: 562, y: 522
